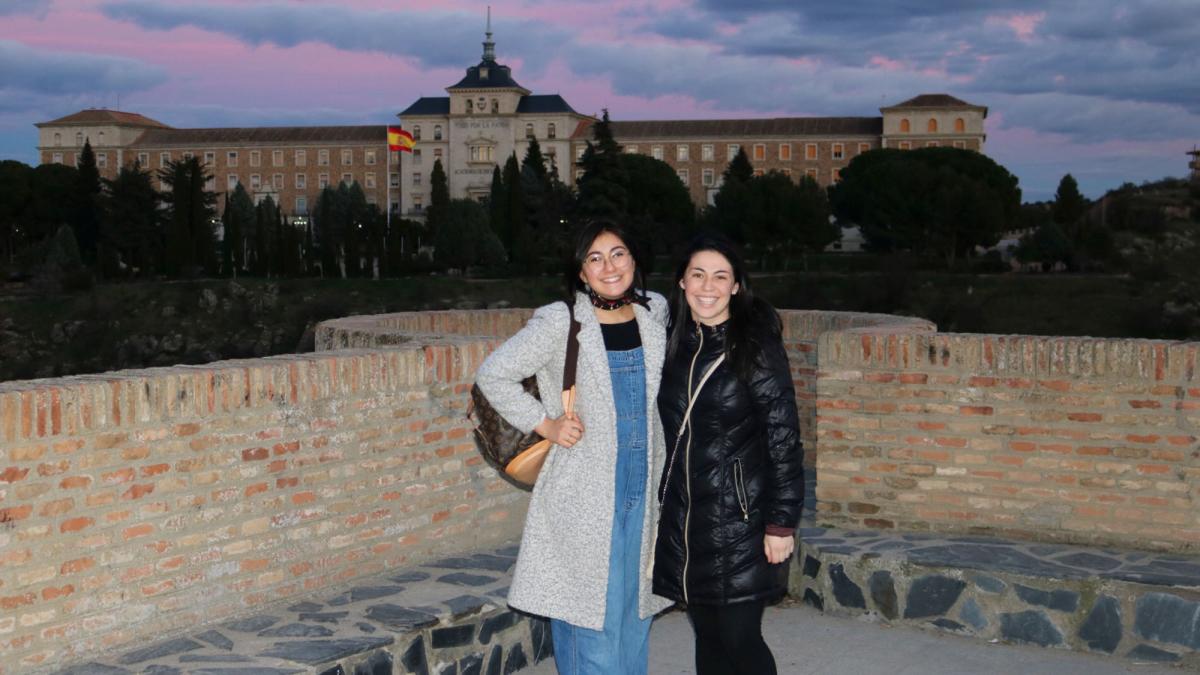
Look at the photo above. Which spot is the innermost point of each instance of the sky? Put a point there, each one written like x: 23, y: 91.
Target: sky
x: 1106, y: 90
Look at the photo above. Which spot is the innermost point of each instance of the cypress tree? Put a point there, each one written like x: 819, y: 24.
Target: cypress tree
x: 498, y: 209
x: 86, y: 220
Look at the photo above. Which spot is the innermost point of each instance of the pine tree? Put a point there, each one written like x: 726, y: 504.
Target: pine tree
x: 86, y: 220
x: 739, y: 168
x: 601, y: 189
x: 520, y: 248
x: 245, y: 229
x: 266, y: 217
x: 1069, y: 204
x: 130, y: 228
x: 439, y: 200
x: 190, y: 241
x: 498, y: 209
x: 324, y: 230
x: 228, y: 240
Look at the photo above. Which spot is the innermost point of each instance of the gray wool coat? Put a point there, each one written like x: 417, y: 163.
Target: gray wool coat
x: 562, y: 569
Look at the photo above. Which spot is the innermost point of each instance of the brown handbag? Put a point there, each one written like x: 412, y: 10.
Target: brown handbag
x: 516, y: 455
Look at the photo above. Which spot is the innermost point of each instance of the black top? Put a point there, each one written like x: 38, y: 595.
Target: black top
x: 620, y: 337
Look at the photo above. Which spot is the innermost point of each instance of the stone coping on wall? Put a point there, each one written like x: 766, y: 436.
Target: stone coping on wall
x: 1010, y: 355
x: 447, y: 615
x: 1111, y: 601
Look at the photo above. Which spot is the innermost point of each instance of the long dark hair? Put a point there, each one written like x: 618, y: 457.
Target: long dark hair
x: 581, y: 243
x: 752, y: 320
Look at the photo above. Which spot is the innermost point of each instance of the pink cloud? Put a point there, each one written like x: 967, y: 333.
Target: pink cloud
x: 884, y: 63
x: 1022, y: 25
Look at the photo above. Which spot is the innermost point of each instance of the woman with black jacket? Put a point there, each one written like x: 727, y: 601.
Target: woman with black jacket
x: 733, y: 487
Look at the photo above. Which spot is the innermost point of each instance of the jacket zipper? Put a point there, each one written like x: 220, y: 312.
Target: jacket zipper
x: 739, y: 486
x: 687, y: 472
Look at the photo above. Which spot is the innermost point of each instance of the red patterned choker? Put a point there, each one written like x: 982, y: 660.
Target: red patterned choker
x: 616, y: 303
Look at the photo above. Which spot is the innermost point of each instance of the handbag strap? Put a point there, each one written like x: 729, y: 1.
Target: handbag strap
x: 686, y: 424
x: 572, y: 363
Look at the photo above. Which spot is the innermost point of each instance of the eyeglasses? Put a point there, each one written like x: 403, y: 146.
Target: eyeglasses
x: 619, y: 259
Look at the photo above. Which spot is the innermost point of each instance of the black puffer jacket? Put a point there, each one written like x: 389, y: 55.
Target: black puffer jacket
x: 741, y: 471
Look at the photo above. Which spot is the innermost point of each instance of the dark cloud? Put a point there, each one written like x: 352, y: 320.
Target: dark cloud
x: 26, y: 69
x: 434, y: 39
x: 37, y: 8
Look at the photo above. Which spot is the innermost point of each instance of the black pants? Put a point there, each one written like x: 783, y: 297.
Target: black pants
x: 729, y: 640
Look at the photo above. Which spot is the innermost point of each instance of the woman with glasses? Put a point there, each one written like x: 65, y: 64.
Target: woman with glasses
x: 589, y: 531
x: 733, y: 486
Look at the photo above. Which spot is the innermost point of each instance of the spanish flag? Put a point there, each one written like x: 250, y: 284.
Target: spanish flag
x: 399, y: 139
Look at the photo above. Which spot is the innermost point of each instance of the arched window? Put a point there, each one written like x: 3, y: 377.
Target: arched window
x: 931, y: 127
x: 417, y: 133
x: 550, y: 131
x: 100, y: 138
x: 528, y: 131
x: 904, y: 126
x: 495, y: 106
x: 437, y: 132
x: 57, y: 138
x: 78, y: 138
x: 470, y: 106
x: 960, y: 126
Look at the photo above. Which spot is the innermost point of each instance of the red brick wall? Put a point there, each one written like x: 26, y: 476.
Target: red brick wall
x: 1048, y: 438
x: 136, y: 503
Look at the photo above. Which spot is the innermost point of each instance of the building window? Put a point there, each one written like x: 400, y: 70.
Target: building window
x: 482, y: 153
x: 706, y: 152
x: 683, y: 176
x: 143, y: 159
x: 322, y: 157
x: 785, y: 152
x: 164, y: 158
x: 57, y: 139
x: 905, y: 145
x: 707, y: 177
x: 347, y: 157
x: 255, y: 181
x: 416, y: 132
x: 302, y: 157
x: 100, y: 138
x: 931, y: 126
x: 231, y: 159
x: 528, y: 131
x: 277, y: 181
x: 551, y: 131
x: 838, y: 151
x: 437, y: 154
x: 78, y: 138
x: 210, y: 158
x: 863, y: 147
x: 347, y: 179
x: 681, y: 153
x: 231, y: 182
x: 369, y: 180
x: 322, y: 181
x: 760, y: 152
x: 578, y: 175
x: 301, y: 205
x: 57, y: 158
x: 470, y: 106
x: 758, y: 172
x: 731, y: 151
x: 786, y: 172
x: 416, y: 157
x: 656, y: 151
x: 579, y: 150
x: 437, y: 132
x: 495, y: 106
x: 960, y: 126
x: 905, y: 127
x: 255, y: 158
x: 276, y: 158
x: 811, y: 173
x: 631, y: 149
x: 931, y: 144
x: 416, y: 178
x: 835, y: 175
x: 394, y: 179
x: 101, y: 160
x: 369, y: 157
x: 418, y: 203
x: 961, y: 145
x: 210, y: 184
x: 810, y: 151
x: 301, y: 181
x: 188, y: 155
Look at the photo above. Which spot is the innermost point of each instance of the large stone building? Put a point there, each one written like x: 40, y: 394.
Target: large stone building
x: 486, y: 117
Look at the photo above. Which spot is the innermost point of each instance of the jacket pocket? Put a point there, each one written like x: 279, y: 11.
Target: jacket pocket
x: 739, y: 486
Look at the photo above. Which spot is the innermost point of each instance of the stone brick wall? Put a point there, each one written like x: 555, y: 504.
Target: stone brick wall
x: 136, y: 504
x: 1073, y: 439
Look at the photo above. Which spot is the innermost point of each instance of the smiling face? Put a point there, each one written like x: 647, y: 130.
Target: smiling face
x: 608, y: 267
x: 708, y: 285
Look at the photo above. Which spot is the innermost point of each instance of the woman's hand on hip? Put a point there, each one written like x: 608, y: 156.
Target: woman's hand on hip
x: 778, y: 548
x: 565, y: 431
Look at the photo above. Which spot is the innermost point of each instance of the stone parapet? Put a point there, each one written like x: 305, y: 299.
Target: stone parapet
x: 1044, y: 438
